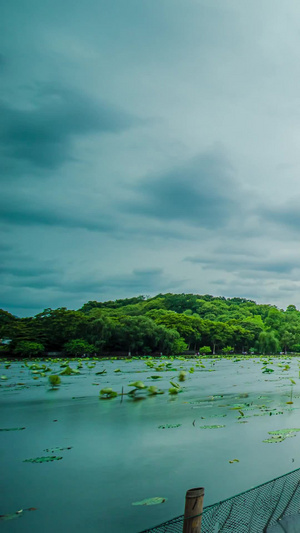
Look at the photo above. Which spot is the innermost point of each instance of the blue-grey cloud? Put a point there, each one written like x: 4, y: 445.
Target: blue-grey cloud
x: 42, y: 133
x: 26, y: 271
x: 200, y: 192
x: 137, y: 281
x: 287, y: 215
x: 29, y: 295
x: 22, y: 213
x: 242, y: 263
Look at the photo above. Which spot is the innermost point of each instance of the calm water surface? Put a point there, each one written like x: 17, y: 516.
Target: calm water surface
x: 119, y: 455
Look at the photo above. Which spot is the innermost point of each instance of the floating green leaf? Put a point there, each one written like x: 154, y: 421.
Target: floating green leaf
x: 154, y: 390
x: 284, y: 431
x: 107, y: 393
x: 169, y: 426
x: 102, y: 372
x: 54, y: 450
x: 11, y: 429
x: 137, y: 385
x: 46, y: 459
x: 212, y: 427
x: 17, y: 514
x: 69, y: 371
x: 151, y: 501
x: 156, y: 377
x: 281, y: 434
x: 234, y: 461
x: 174, y: 384
x: 174, y: 390
x: 276, y: 438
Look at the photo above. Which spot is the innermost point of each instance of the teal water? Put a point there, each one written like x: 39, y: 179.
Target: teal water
x: 119, y: 455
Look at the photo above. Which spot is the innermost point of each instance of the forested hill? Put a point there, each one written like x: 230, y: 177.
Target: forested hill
x: 166, y: 323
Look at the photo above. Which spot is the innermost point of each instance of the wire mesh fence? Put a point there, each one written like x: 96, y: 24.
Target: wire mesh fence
x: 258, y: 510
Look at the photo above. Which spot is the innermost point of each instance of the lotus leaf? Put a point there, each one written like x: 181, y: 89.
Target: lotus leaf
x: 53, y: 450
x: 137, y: 385
x: 174, y: 390
x: 46, y: 459
x: 174, y: 384
x: 212, y: 427
x: 17, y: 514
x: 69, y: 371
x: 11, y: 429
x: 169, y: 426
x: 154, y: 390
x: 107, y: 393
x: 151, y: 501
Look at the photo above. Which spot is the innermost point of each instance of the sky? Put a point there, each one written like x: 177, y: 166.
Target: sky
x: 149, y: 146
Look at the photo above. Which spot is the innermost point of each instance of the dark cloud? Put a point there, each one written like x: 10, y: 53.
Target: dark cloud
x: 42, y: 133
x: 138, y: 281
x: 21, y: 213
x: 24, y: 296
x: 201, y: 193
x: 287, y: 215
x: 242, y: 263
x: 24, y: 271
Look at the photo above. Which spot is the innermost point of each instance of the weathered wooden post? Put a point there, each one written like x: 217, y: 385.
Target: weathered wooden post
x: 193, y: 507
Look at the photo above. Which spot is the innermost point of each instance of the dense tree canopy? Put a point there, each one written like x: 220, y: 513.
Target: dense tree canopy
x: 167, y: 323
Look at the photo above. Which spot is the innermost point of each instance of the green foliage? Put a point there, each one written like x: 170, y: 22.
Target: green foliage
x: 182, y: 376
x: 166, y: 324
x: 205, y: 350
x: 54, y: 380
x: 46, y: 459
x: 107, y: 394
x: 69, y: 371
x: 151, y: 501
x: 78, y: 347
x: 28, y: 349
x: 152, y: 390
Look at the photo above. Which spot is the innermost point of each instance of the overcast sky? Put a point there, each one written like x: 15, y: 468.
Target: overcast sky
x: 149, y: 146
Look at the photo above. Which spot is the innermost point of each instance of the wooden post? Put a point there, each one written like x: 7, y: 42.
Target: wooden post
x: 193, y: 507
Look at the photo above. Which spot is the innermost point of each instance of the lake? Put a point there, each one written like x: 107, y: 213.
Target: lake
x: 118, y: 453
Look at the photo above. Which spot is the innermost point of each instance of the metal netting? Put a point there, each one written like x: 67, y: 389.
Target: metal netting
x: 255, y: 510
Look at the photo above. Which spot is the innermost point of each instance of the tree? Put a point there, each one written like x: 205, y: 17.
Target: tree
x: 78, y: 347
x: 268, y: 342
x: 28, y: 349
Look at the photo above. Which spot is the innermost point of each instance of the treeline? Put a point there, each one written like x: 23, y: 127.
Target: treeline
x: 166, y: 323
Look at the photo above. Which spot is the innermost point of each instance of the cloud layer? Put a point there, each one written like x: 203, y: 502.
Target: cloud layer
x: 148, y: 147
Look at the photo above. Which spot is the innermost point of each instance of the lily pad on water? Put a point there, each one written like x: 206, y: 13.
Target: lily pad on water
x: 281, y: 434
x: 284, y: 431
x: 137, y: 385
x: 168, y: 426
x: 106, y: 394
x: 46, y: 459
x: 17, y: 514
x: 11, y: 429
x: 53, y: 450
x: 69, y: 371
x: 216, y: 426
x: 151, y: 501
